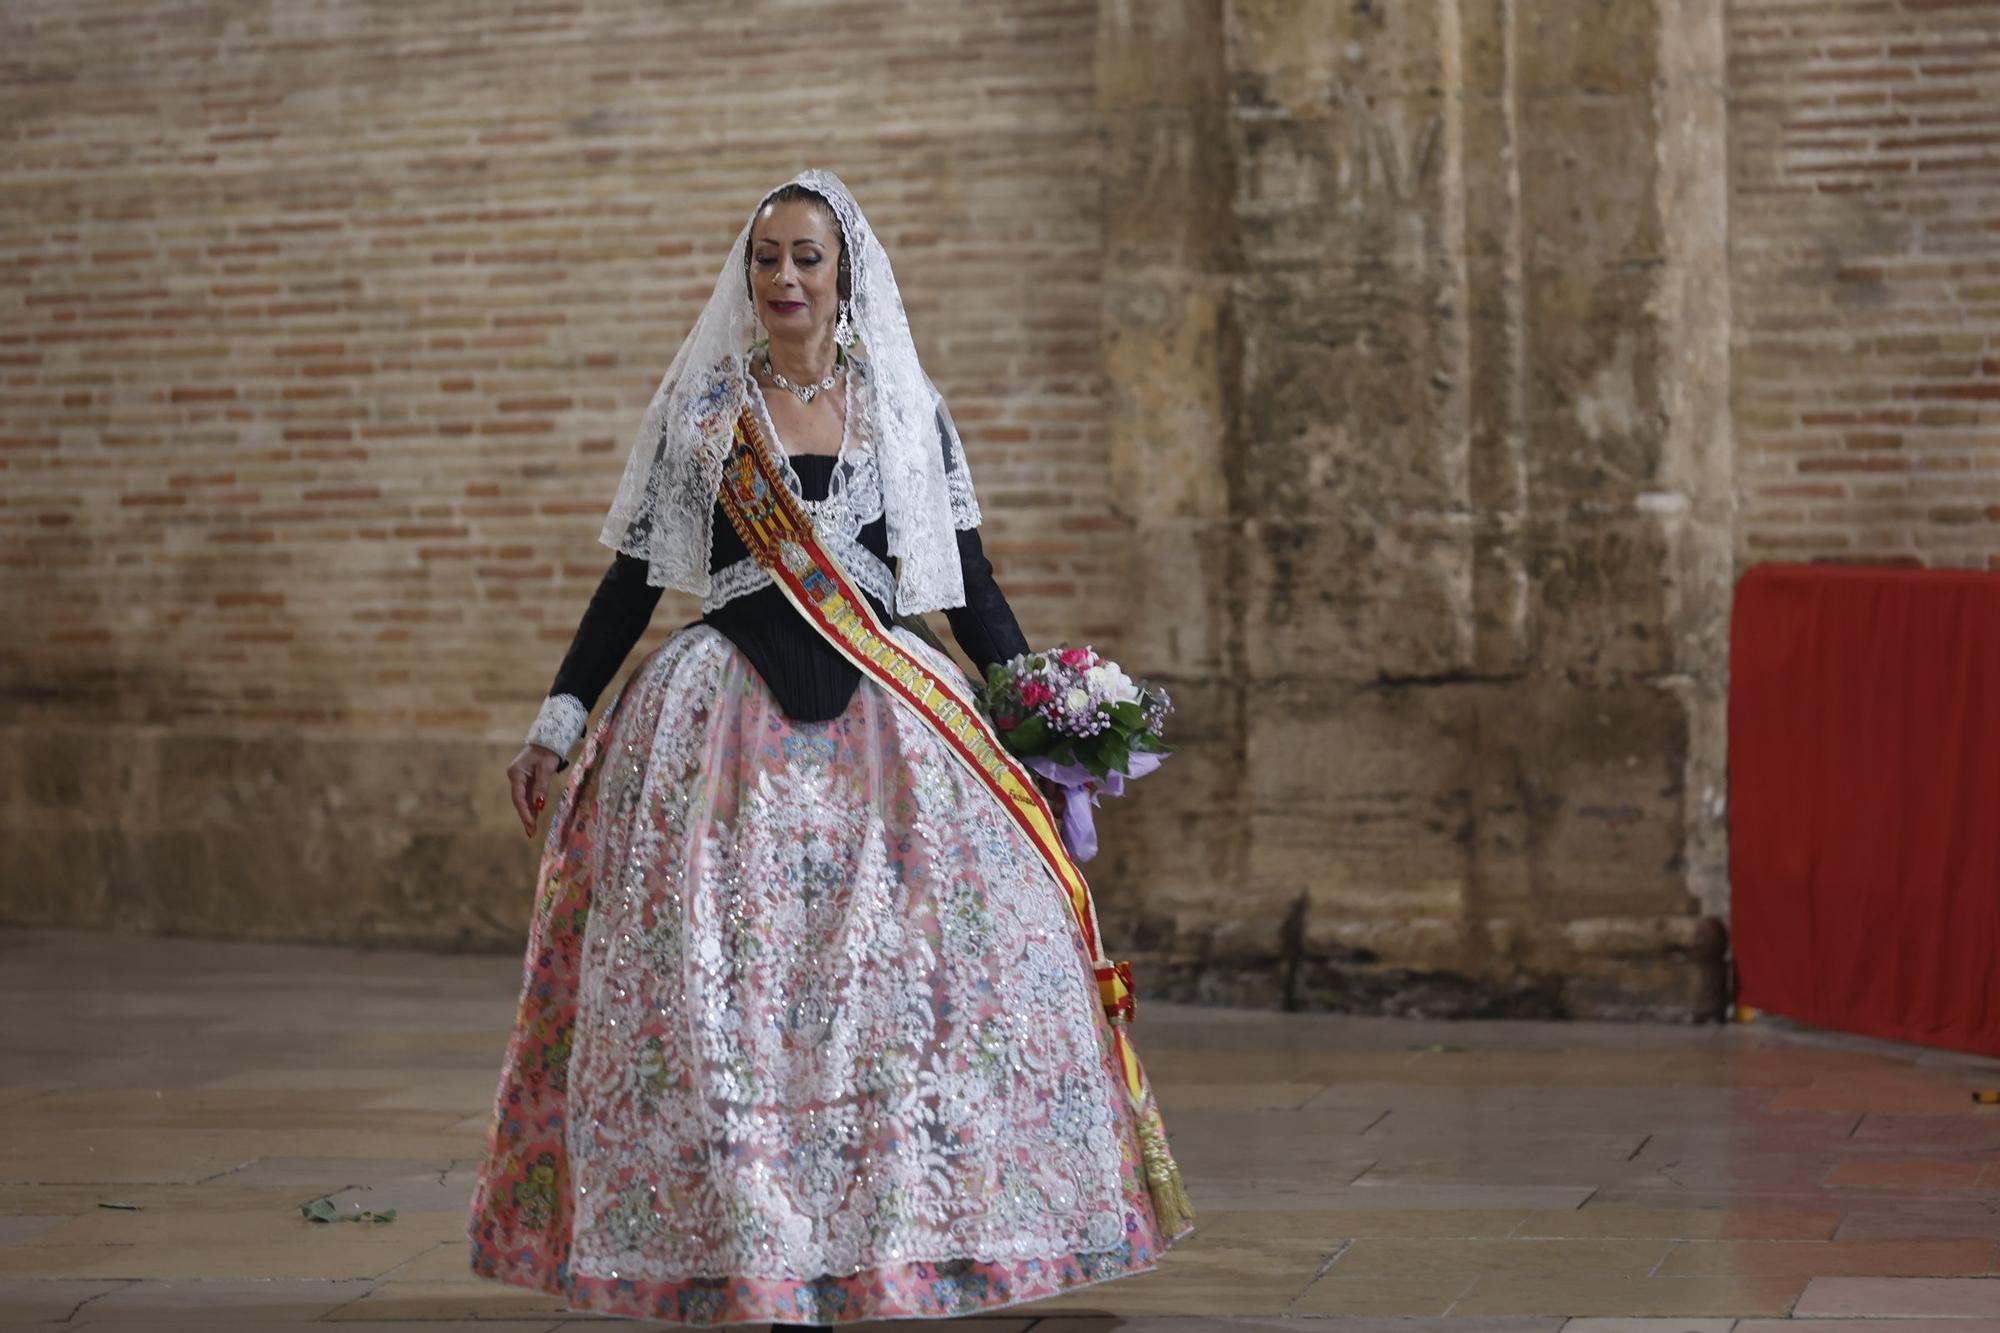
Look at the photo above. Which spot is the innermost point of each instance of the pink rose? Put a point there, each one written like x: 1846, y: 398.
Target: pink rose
x: 1080, y: 658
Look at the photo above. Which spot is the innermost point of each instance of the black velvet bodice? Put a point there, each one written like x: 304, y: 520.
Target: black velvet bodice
x: 811, y: 681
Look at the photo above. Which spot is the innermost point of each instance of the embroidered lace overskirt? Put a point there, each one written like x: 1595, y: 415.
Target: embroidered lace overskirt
x: 805, y: 1031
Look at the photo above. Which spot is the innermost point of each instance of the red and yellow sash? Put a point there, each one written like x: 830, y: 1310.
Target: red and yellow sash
x: 779, y: 534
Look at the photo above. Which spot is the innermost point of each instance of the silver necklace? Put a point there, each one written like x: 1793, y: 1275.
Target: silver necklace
x: 805, y: 393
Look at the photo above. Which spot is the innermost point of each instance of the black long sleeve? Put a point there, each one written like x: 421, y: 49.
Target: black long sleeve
x: 617, y: 615
x: 985, y: 626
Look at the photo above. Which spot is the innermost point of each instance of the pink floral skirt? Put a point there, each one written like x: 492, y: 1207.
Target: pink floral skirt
x: 805, y: 1032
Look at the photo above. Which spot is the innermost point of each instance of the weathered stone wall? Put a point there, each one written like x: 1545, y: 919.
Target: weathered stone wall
x: 1432, y: 298
x: 1865, y: 164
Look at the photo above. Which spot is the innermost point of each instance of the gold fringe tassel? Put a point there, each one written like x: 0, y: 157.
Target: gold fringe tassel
x: 1172, y: 1208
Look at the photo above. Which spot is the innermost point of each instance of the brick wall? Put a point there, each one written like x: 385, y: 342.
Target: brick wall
x: 326, y: 327
x: 323, y: 332
x: 1865, y: 239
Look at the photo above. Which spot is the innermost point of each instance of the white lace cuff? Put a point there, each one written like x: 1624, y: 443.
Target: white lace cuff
x: 559, y: 726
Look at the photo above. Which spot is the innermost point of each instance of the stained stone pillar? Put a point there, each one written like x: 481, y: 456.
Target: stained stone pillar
x: 1417, y: 334
x: 1172, y: 862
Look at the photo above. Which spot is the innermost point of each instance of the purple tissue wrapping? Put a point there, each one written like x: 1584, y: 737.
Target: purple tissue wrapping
x: 1080, y: 791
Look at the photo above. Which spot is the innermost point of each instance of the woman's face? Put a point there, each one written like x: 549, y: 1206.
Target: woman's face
x: 795, y: 268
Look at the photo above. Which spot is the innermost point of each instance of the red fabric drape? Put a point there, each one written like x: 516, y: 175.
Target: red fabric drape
x: 1864, y: 797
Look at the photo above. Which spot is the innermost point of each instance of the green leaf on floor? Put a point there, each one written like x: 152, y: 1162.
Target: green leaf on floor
x: 326, y: 1210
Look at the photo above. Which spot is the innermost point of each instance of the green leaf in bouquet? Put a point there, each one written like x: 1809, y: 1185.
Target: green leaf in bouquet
x: 1117, y: 751
x: 1030, y: 737
x: 1091, y: 756
x: 1129, y: 716
x: 1150, y: 743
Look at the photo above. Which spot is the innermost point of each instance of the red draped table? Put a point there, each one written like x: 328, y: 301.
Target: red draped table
x: 1864, y: 800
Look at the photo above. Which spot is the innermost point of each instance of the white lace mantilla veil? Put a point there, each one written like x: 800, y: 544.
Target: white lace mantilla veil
x: 665, y: 507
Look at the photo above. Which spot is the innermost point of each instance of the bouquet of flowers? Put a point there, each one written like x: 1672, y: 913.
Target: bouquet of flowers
x: 1079, y: 721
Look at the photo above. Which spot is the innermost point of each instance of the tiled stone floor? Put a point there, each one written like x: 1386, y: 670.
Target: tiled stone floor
x: 1354, y: 1174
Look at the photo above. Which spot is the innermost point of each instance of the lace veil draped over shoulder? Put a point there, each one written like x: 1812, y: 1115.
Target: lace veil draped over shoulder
x: 664, y: 509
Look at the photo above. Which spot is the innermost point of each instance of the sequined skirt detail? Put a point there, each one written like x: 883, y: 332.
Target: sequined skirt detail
x: 805, y: 1032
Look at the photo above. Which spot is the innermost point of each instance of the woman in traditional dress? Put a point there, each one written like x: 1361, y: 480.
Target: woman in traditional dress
x: 809, y: 1028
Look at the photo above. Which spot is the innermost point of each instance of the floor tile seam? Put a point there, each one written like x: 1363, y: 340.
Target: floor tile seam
x: 227, y: 1172
x: 120, y: 1285
x: 1957, y: 1193
x: 1319, y: 1273
x: 1837, y: 1235
x: 388, y: 1275
x: 1332, y: 1259
x: 1462, y: 1293
x: 1734, y: 1320
x: 1984, y: 1155
x: 1792, y: 1305
x: 1355, y: 1179
x: 1811, y: 1240
x: 1842, y: 1195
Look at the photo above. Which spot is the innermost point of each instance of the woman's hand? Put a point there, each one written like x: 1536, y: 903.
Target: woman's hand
x: 529, y: 778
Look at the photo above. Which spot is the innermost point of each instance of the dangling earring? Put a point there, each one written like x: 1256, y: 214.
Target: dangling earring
x: 843, y: 332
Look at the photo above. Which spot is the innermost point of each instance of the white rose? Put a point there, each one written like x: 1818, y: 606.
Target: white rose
x: 1111, y: 683
x: 1077, y: 700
